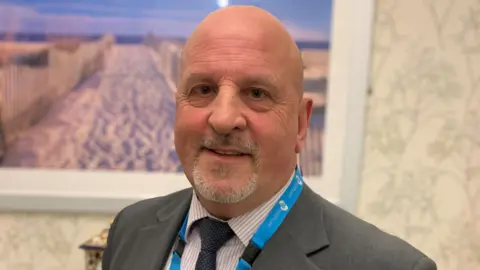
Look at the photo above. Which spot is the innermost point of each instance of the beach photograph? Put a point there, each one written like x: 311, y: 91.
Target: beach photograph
x: 90, y: 85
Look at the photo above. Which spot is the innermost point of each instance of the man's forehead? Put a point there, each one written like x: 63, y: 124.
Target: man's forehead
x: 227, y: 58
x: 232, y: 47
x: 231, y: 41
x: 246, y: 63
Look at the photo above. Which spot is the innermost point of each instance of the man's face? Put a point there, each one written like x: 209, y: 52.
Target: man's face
x: 237, y: 116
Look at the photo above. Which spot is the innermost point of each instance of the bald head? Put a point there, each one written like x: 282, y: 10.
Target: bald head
x: 234, y: 19
x: 254, y: 26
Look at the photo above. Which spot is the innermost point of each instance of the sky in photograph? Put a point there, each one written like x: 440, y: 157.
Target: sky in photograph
x: 305, y: 19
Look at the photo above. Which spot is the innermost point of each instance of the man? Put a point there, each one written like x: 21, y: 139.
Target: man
x: 240, y: 121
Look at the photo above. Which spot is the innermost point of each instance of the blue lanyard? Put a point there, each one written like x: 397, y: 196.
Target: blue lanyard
x: 261, y: 236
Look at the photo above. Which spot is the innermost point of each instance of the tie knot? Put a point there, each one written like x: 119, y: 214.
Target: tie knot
x: 214, y: 234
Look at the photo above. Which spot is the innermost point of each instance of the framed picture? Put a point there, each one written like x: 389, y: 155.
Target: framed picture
x: 87, y: 98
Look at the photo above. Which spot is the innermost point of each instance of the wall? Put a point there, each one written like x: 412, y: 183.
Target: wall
x: 46, y: 241
x: 421, y: 176
x: 420, y: 180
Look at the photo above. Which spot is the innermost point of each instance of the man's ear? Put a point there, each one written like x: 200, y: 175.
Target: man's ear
x: 304, y: 114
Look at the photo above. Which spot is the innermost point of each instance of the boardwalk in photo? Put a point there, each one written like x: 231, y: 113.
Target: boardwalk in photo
x: 121, y: 118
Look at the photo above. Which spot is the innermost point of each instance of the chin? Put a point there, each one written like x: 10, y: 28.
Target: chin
x: 224, y: 189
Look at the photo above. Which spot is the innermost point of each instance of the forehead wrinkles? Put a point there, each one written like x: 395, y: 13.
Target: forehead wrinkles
x: 234, y: 58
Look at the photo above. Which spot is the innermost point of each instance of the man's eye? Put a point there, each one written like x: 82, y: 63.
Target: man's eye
x: 203, y: 89
x: 257, y: 93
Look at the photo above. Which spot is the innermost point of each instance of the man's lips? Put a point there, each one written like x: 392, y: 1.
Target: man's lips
x: 226, y: 151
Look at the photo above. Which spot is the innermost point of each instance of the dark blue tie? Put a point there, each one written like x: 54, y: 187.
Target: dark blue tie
x: 214, y: 234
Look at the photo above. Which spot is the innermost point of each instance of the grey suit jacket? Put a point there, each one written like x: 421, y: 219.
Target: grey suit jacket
x: 316, y: 235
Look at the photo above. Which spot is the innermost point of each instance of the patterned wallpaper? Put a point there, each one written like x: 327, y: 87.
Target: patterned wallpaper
x: 44, y: 241
x: 421, y: 177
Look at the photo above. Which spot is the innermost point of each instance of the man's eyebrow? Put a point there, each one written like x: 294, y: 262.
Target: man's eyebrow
x: 259, y: 80
x: 191, y: 78
x: 266, y: 80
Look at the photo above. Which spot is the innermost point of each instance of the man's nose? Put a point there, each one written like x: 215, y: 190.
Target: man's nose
x: 226, y: 115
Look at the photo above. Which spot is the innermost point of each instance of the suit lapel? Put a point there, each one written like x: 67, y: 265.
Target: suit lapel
x: 154, y: 242
x: 302, y: 233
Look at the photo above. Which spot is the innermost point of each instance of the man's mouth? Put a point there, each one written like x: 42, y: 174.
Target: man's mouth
x: 226, y: 152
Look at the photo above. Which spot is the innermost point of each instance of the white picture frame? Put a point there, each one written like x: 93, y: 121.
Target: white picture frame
x: 109, y: 191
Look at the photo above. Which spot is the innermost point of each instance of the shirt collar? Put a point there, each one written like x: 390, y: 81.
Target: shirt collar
x: 245, y: 225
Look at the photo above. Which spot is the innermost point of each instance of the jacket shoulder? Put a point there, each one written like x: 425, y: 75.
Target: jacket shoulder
x: 133, y: 218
